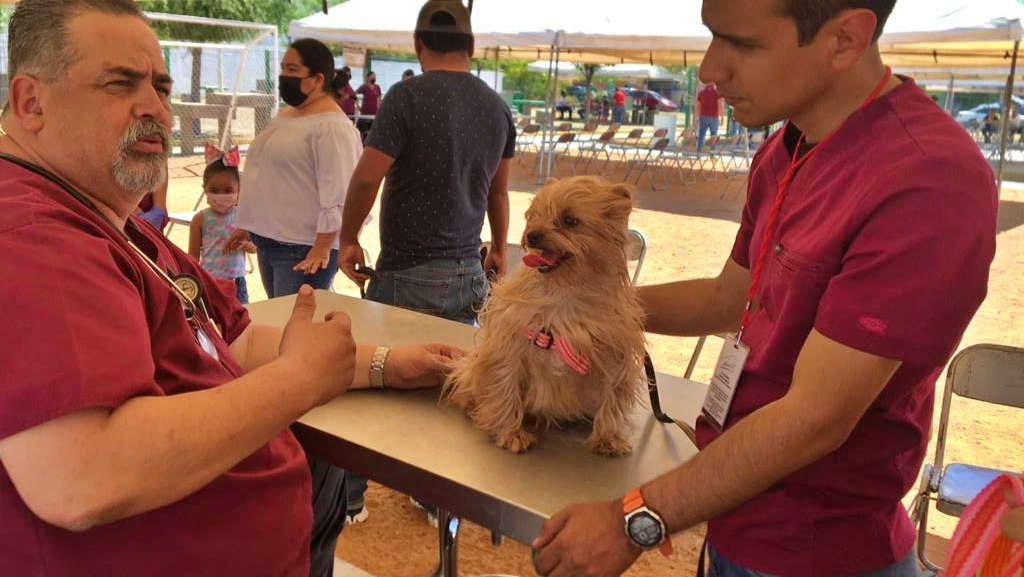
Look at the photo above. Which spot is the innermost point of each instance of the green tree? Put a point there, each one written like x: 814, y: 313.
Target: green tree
x: 588, y: 71
x: 519, y: 78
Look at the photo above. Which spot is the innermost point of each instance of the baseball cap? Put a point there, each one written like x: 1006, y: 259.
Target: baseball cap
x: 449, y: 16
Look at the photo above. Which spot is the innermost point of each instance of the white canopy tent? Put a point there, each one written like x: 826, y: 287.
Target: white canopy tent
x: 920, y: 33
x: 944, y: 34
x: 628, y: 70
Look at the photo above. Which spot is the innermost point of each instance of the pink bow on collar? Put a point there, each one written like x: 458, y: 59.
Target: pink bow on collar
x: 545, y: 340
x: 229, y: 158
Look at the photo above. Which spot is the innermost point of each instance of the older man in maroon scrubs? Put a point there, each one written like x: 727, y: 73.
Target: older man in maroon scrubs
x: 134, y: 438
x: 862, y: 255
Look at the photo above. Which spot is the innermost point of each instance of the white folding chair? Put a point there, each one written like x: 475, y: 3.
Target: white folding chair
x: 636, y: 251
x: 984, y: 372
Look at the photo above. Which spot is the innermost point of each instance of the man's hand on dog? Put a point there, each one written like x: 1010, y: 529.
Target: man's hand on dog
x: 584, y: 540
x: 421, y: 365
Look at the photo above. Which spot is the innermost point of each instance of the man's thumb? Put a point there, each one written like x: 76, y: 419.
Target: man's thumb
x: 305, y: 304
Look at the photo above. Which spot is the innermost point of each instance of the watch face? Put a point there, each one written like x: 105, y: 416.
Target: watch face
x: 644, y: 529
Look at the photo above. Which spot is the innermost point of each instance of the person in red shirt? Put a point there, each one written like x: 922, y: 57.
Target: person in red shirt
x: 709, y: 110
x: 144, y: 431
x: 618, y: 104
x: 864, y: 246
x: 342, y: 91
x: 370, y: 92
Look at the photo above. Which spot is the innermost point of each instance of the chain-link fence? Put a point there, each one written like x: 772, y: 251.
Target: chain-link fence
x: 225, y: 79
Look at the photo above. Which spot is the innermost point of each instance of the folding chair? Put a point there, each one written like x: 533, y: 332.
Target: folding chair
x: 626, y: 146
x: 590, y: 151
x: 560, y: 148
x: 648, y: 164
x: 564, y: 127
x: 984, y: 372
x: 636, y: 251
x: 526, y: 140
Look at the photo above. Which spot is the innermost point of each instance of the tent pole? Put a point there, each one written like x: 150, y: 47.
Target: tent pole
x: 949, y: 94
x: 551, y: 111
x: 545, y: 125
x: 497, y: 56
x: 1006, y: 115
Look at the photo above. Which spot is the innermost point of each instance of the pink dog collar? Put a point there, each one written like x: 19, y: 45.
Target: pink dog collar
x: 545, y: 340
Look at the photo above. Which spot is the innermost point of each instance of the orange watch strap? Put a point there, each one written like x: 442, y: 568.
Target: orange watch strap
x: 632, y: 501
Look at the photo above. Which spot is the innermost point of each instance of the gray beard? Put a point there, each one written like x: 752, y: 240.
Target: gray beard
x: 139, y: 173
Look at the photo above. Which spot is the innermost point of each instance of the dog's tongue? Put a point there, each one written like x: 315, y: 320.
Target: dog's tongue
x: 548, y: 258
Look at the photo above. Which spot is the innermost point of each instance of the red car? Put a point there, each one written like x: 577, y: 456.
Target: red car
x: 654, y: 100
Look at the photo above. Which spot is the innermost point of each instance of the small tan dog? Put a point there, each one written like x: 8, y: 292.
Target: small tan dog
x: 561, y: 338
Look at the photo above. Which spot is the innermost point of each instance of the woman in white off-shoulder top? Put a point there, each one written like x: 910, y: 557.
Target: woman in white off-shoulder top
x: 296, y: 174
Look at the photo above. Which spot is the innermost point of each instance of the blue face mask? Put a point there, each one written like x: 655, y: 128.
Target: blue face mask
x: 290, y: 89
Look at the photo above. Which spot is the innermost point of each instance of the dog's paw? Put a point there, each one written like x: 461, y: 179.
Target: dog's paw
x: 609, y: 446
x: 517, y: 442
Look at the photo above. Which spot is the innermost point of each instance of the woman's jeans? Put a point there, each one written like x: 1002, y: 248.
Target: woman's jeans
x: 276, y: 260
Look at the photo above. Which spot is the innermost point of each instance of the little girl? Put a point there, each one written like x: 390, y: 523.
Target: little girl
x: 211, y: 227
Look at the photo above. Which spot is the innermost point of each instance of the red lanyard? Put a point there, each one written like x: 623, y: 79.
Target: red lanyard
x: 794, y: 165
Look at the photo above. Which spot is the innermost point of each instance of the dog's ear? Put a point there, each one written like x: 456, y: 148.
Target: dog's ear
x: 620, y: 200
x: 622, y: 189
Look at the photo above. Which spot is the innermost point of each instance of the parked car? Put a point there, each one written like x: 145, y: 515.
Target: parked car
x: 653, y: 100
x: 972, y: 119
x: 578, y: 92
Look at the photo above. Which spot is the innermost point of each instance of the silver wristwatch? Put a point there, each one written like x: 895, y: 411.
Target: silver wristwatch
x: 380, y: 356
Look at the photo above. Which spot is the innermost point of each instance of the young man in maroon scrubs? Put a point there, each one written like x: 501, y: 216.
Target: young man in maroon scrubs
x: 135, y: 440
x: 869, y: 273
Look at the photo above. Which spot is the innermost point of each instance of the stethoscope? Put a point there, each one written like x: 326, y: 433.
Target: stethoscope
x: 185, y: 287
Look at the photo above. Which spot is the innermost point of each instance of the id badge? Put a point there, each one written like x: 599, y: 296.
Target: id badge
x: 206, y: 343
x: 723, y: 383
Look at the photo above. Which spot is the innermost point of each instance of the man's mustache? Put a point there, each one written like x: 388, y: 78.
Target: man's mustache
x: 143, y: 130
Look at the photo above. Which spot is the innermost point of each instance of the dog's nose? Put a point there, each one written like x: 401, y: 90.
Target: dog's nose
x: 534, y: 238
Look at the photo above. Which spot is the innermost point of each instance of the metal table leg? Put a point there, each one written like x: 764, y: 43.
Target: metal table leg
x: 448, y: 540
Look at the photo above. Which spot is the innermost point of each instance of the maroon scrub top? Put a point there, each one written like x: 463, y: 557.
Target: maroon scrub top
x: 883, y: 244
x: 86, y: 324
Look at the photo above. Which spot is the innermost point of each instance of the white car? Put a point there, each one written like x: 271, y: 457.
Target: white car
x: 972, y: 119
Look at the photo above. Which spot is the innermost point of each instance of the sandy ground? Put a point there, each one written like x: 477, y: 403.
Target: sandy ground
x: 689, y: 230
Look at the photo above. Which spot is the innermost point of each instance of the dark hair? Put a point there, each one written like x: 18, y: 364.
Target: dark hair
x: 408, y: 72
x: 445, y: 42
x: 38, y: 42
x: 811, y: 15
x: 218, y: 167
x: 317, y: 57
x: 341, y: 78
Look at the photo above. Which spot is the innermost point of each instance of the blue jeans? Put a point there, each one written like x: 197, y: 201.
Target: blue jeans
x: 241, y: 290
x: 706, y: 123
x: 719, y: 566
x: 451, y: 289
x: 276, y: 261
x: 617, y: 113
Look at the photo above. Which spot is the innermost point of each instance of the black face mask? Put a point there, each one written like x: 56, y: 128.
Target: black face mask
x: 290, y: 89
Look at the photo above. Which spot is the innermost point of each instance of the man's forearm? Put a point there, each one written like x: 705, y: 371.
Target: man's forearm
x: 497, y: 217
x: 686, y: 308
x: 152, y: 451
x: 745, y: 461
x: 358, y: 202
x: 259, y: 344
